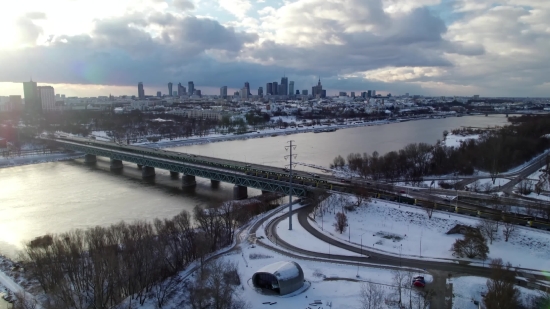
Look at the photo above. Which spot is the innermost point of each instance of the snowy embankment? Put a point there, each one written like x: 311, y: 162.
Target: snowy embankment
x: 35, y: 159
x: 452, y: 140
x: 407, y: 231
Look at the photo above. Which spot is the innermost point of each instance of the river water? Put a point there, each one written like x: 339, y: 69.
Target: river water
x: 60, y: 196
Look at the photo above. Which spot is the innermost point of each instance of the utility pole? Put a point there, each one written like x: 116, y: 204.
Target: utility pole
x: 290, y: 156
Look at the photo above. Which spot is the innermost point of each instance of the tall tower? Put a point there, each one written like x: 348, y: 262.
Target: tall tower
x: 141, y: 92
x: 291, y: 88
x: 284, y: 86
x: 275, y: 88
x: 47, y: 97
x: 247, y: 86
x: 181, y: 90
x: 32, y: 97
x: 170, y: 88
x: 190, y: 88
x: 269, y: 89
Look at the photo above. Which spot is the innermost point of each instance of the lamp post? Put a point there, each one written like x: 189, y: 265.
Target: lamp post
x: 362, y: 243
x: 400, y: 249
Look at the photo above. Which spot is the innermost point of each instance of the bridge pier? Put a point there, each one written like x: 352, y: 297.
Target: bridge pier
x: 240, y: 192
x: 188, y: 181
x: 174, y: 174
x: 147, y: 172
x: 265, y: 192
x: 116, y: 165
x: 214, y: 183
x: 139, y: 166
x: 89, y: 158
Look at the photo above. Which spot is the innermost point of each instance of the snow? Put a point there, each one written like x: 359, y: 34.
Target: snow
x: 453, y: 140
x: 35, y: 159
x: 406, y: 230
x: 282, y: 270
x: 498, y: 182
x: 469, y: 288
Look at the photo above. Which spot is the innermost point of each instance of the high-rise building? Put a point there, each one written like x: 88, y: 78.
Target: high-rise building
x: 280, y: 90
x: 317, y: 91
x: 244, y: 93
x: 190, y: 88
x: 260, y: 91
x: 247, y: 86
x: 342, y: 94
x: 141, y: 92
x: 304, y: 92
x: 297, y: 92
x: 323, y: 93
x: 284, y: 86
x: 352, y: 94
x: 198, y: 92
x: 175, y: 93
x: 47, y: 97
x: 181, y: 89
x: 170, y: 88
x: 32, y: 97
x: 363, y: 94
x: 159, y: 94
x: 369, y: 93
x: 223, y: 92
x: 374, y: 93
x: 269, y: 89
x: 275, y: 88
x: 291, y: 88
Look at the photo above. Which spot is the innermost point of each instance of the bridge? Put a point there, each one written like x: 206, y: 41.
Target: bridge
x: 242, y: 175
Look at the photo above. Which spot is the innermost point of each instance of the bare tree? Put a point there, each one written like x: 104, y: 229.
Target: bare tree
x: 489, y: 228
x: 425, y: 298
x: 341, y: 222
x: 398, y: 280
x: 372, y: 296
x: 23, y: 301
x: 508, y: 229
x: 501, y: 292
x: 487, y: 187
x: 475, y: 186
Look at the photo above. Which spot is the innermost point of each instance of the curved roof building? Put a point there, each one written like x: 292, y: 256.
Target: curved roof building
x: 281, y: 277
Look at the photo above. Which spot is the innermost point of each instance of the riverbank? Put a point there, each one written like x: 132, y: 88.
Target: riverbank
x: 35, y: 159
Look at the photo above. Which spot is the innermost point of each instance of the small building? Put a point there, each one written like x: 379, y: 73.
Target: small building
x: 281, y: 277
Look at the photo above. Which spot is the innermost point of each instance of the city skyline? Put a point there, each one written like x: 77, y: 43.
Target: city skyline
x: 466, y: 47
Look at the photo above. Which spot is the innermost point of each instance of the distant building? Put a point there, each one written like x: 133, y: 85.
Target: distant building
x: 476, y: 96
x: 369, y: 93
x: 198, y: 93
x: 275, y: 88
x: 260, y: 91
x: 317, y: 91
x: 364, y: 94
x: 170, y: 89
x: 190, y: 88
x: 141, y: 91
x: 47, y: 97
x: 159, y: 94
x: 374, y: 93
x: 297, y: 92
x: 352, y: 94
x: 269, y: 88
x: 284, y: 86
x: 175, y: 93
x: 291, y: 88
x: 32, y: 97
x: 304, y: 92
x: 223, y: 92
x: 247, y: 86
x: 181, y: 89
x: 342, y: 94
x: 244, y: 93
x: 323, y: 93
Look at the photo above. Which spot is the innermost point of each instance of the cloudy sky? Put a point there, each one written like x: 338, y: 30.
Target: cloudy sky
x: 430, y: 47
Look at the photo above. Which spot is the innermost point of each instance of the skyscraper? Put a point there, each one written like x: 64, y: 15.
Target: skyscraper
x: 247, y: 86
x: 352, y: 94
x: 260, y: 91
x: 275, y: 88
x: 47, y: 97
x: 159, y: 94
x: 284, y: 86
x: 223, y: 92
x: 269, y: 89
x: 317, y: 91
x: 297, y: 92
x: 170, y: 88
x: 141, y: 92
x: 181, y: 89
x: 369, y: 93
x: 32, y: 97
x: 291, y: 88
x: 190, y: 88
x: 374, y: 93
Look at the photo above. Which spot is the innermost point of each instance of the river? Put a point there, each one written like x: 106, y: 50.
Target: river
x: 60, y: 196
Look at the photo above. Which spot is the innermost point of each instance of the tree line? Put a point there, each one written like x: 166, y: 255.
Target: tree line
x: 102, y: 266
x: 495, y: 151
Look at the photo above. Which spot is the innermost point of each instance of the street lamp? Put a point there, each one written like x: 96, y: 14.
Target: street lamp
x: 400, y: 249
x: 362, y: 243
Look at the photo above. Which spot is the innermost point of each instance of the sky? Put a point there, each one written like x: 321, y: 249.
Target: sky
x: 427, y: 47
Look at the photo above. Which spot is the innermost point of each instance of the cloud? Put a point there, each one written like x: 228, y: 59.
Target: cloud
x: 184, y: 5
x: 36, y: 15
x: 239, y: 8
x: 27, y: 30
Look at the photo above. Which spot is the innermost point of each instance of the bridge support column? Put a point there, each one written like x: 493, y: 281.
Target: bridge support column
x: 265, y: 192
x: 89, y: 158
x: 139, y: 166
x: 147, y: 172
x: 188, y: 181
x: 214, y: 183
x: 116, y: 165
x: 240, y: 192
x: 174, y: 174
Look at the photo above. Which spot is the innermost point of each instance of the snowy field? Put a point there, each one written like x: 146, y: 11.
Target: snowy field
x: 453, y: 140
x: 467, y: 289
x: 407, y: 230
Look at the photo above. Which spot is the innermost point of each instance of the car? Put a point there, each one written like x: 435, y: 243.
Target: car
x: 248, y: 165
x: 316, y: 176
x: 344, y: 180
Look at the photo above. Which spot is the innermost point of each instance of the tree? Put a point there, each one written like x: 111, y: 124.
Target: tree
x: 341, y: 222
x: 372, y: 296
x: 487, y: 187
x: 508, y: 229
x: 399, y: 280
x: 445, y: 133
x: 489, y: 229
x: 501, y: 292
x: 474, y: 245
x: 475, y: 186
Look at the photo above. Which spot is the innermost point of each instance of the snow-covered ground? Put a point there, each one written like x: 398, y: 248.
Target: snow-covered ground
x: 468, y: 289
x: 453, y: 140
x: 34, y: 159
x: 402, y: 229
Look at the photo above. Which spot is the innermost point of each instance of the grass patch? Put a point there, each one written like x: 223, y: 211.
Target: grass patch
x: 393, y: 237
